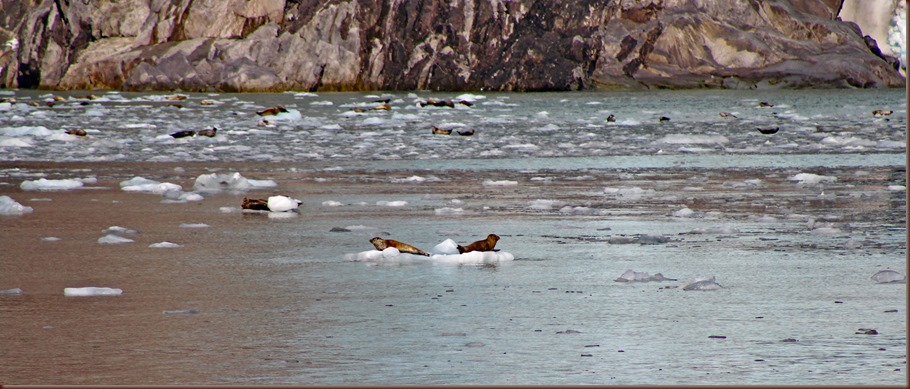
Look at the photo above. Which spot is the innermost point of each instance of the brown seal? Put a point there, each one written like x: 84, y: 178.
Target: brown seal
x: 382, y: 244
x: 77, y: 132
x: 256, y: 204
x: 441, y: 131
x: 466, y: 132
x: 882, y: 112
x: 727, y: 115
x: 480, y: 245
x: 272, y: 110
x: 207, y: 132
x: 183, y: 134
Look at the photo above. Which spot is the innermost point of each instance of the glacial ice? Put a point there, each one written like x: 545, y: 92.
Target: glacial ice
x: 229, y: 182
x: 45, y: 184
x: 8, y: 206
x: 194, y: 225
x: 811, y: 179
x: 92, y: 291
x: 164, y: 245
x: 119, y: 230
x: 397, y: 203
x: 889, y: 277
x: 141, y: 184
x: 282, y: 203
x: 113, y: 239
x: 702, y: 283
x: 635, y: 276
x: 13, y: 291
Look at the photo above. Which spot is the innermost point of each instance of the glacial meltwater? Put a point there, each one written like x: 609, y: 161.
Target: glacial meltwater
x: 763, y: 246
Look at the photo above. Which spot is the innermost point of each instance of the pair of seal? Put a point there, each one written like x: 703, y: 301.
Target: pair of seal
x: 382, y: 244
x: 481, y: 245
x: 186, y: 133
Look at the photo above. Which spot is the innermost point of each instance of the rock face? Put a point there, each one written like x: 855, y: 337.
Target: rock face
x: 520, y: 45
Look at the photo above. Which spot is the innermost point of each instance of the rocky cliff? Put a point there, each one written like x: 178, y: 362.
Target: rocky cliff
x: 522, y: 45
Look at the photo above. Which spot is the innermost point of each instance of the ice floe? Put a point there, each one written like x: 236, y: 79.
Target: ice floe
x: 229, y: 182
x: 13, y: 291
x: 445, y: 252
x: 145, y: 185
x: 889, y: 277
x: 702, y: 283
x: 164, y: 245
x: 8, y: 206
x: 48, y: 185
x: 113, y: 239
x: 636, y: 276
x: 92, y: 291
x: 282, y: 203
x: 194, y: 225
x: 811, y: 179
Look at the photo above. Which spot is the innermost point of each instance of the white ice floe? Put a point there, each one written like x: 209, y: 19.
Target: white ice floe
x: 811, y: 179
x: 499, y: 183
x: 702, y: 283
x: 229, y: 182
x: 194, y: 225
x: 13, y: 291
x: 45, y: 184
x: 113, y: 239
x: 630, y: 193
x: 332, y: 203
x: 889, y: 277
x: 544, y: 204
x: 164, y: 245
x: 8, y: 206
x: 692, y: 139
x: 283, y: 203
x: 50, y: 238
x: 33, y: 131
x: 448, y: 211
x: 636, y: 276
x: 92, y: 291
x: 398, y: 203
x: 570, y: 210
x: 897, y: 188
x: 726, y: 230
x: 145, y: 185
x: 118, y: 230
x: 684, y: 212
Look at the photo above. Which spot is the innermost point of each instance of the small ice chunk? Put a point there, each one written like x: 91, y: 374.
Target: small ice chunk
x: 218, y: 182
x: 897, y: 188
x: 447, y: 211
x: 684, y: 212
x: 155, y: 188
x: 137, y: 181
x: 119, y: 230
x: 164, y: 245
x: 11, y: 291
x: 8, y: 206
x: 811, y: 179
x: 282, y: 203
x: 473, y: 258
x: 191, y: 311
x: 889, y: 277
x: 398, y: 203
x: 446, y: 247
x: 45, y: 184
x: 92, y: 291
x: 113, y: 239
x: 193, y: 225
x: 702, y: 283
x: 635, y: 276
x: 50, y: 238
x: 544, y: 204
x: 331, y: 203
x: 499, y: 183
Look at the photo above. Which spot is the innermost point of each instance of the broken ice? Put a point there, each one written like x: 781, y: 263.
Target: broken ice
x: 8, y: 206
x: 889, y: 277
x: 92, y: 291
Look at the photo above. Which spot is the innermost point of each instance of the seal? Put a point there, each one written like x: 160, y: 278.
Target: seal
x: 882, y: 112
x: 466, y: 132
x: 272, y: 110
x: 441, y: 131
x: 77, y: 132
x: 765, y: 104
x: 207, y: 132
x: 611, y: 118
x: 183, y: 134
x: 768, y: 130
x: 727, y: 115
x: 663, y: 119
x: 255, y: 204
x: 480, y: 245
x: 382, y: 244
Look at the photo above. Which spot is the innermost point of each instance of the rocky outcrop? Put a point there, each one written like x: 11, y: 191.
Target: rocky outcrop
x: 521, y: 45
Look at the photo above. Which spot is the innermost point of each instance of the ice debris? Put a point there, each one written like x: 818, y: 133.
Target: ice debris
x: 229, y: 182
x: 636, y: 276
x: 92, y: 291
x: 811, y: 179
x: 142, y: 184
x: 702, y: 283
x: 113, y: 239
x: 45, y: 184
x: 889, y: 277
x: 164, y: 245
x: 283, y: 203
x: 445, y: 253
x: 8, y: 206
x: 15, y: 291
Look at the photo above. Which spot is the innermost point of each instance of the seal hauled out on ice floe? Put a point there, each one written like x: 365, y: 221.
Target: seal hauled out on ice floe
x: 382, y: 244
x: 480, y: 245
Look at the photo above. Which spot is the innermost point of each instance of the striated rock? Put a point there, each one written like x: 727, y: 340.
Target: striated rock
x: 510, y: 45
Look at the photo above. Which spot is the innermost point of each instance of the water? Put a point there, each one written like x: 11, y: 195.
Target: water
x: 270, y: 300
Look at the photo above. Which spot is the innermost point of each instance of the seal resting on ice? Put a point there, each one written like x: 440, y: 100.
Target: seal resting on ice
x: 441, y: 131
x: 480, y: 245
x: 272, y: 110
x: 382, y: 244
x: 183, y: 134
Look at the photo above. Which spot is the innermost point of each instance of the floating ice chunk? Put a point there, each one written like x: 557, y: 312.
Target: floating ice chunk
x: 262, y: 183
x: 727, y: 230
x: 164, y: 245
x: 281, y: 215
x: 118, y: 230
x: 473, y: 258
x: 398, y: 203
x: 447, y: 211
x: 289, y: 116
x: 34, y: 131
x: 217, y: 182
x: 15, y: 142
x: 8, y: 206
x: 194, y: 225
x: 282, y: 203
x: 826, y: 231
x: 897, y: 188
x: 469, y: 97
x: 411, y: 179
x: 181, y: 312
x: 50, y: 239
x: 158, y: 188
x: 499, y: 183
x: 92, y: 291
x: 889, y: 277
x: 543, y: 204
x: 702, y: 283
x: 113, y: 239
x: 137, y: 181
x: 45, y: 184
x: 331, y: 203
x: 11, y: 291
x: 811, y: 179
x: 692, y: 139
x: 684, y: 212
x: 576, y: 210
x: 635, y: 276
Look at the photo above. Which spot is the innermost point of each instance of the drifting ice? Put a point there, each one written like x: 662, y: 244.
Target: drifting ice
x: 8, y: 206
x: 889, y: 277
x: 282, y: 204
x: 113, y: 239
x: 92, y: 291
x: 445, y: 252
x: 636, y: 276
x: 234, y: 182
x: 45, y: 184
x: 702, y: 283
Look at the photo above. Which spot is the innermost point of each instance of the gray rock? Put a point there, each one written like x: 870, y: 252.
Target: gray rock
x: 519, y: 45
